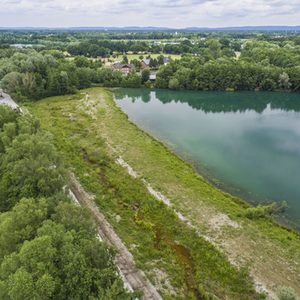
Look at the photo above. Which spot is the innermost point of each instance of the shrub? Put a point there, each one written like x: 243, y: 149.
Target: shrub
x: 264, y: 210
x: 287, y: 293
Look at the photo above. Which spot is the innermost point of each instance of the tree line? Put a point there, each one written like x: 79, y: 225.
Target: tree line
x: 217, y: 65
x: 28, y: 74
x: 260, y: 66
x: 48, y: 245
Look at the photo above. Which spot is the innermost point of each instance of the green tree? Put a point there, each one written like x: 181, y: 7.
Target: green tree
x: 136, y: 63
x: 174, y: 84
x: 284, y: 81
x: 7, y: 115
x: 30, y: 167
x: 153, y: 63
x: 160, y: 60
x: 145, y: 75
x: 81, y: 62
x: 11, y: 82
x: 125, y: 59
x: 21, y: 223
x: 48, y: 246
x: 294, y: 74
x: 132, y: 80
x: 214, y: 47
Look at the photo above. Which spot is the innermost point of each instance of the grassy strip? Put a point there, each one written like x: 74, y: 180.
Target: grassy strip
x: 259, y: 243
x: 179, y: 261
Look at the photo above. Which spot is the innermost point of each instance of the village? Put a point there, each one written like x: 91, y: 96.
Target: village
x: 135, y: 65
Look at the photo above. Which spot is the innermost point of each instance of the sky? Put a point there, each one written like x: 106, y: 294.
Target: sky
x: 166, y: 13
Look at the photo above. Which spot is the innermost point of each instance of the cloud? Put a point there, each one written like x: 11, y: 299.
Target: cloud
x: 176, y: 13
x: 252, y: 8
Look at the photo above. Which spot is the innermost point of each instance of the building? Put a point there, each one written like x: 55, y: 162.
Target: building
x: 124, y: 68
x: 166, y: 60
x: 152, y: 77
x: 145, y: 63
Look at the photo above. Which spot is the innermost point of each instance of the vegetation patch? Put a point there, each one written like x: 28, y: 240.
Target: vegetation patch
x: 99, y: 133
x: 48, y: 245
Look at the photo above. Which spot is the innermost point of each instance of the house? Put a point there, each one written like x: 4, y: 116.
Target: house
x: 166, y: 60
x: 145, y: 64
x: 124, y: 68
x: 152, y: 77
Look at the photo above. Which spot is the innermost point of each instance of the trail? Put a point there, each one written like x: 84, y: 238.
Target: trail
x: 217, y: 221
x: 5, y: 99
x: 134, y: 279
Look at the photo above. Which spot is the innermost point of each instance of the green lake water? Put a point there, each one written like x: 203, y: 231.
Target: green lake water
x: 247, y: 143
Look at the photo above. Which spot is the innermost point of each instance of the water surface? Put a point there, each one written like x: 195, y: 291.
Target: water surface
x: 249, y: 143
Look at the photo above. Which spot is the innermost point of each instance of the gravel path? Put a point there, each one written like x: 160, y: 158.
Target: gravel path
x: 134, y: 279
x: 5, y: 99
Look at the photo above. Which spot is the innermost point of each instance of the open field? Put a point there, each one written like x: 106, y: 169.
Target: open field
x: 137, y: 56
x: 109, y: 61
x: 183, y: 247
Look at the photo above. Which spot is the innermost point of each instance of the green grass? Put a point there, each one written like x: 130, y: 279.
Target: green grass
x: 156, y: 237
x: 131, y: 56
x: 137, y: 56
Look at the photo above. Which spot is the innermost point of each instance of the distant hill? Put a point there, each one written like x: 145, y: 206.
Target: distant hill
x: 159, y: 29
x: 246, y: 28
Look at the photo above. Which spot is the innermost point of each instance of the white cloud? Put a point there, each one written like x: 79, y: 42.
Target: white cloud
x: 176, y: 13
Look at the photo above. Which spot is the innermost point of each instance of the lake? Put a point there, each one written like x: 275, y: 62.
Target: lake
x: 247, y: 143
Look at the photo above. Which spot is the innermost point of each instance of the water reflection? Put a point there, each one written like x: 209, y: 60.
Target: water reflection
x: 217, y: 101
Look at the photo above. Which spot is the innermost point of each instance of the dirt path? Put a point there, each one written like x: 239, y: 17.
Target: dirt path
x: 216, y: 222
x: 134, y: 279
x: 5, y: 99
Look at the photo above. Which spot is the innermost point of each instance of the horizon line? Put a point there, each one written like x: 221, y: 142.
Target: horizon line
x: 153, y: 27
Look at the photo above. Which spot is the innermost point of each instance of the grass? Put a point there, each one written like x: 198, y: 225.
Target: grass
x: 137, y: 56
x: 157, y: 238
x: 131, y: 56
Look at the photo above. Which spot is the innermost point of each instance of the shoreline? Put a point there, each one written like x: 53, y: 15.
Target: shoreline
x: 209, y: 178
x: 261, y: 245
x: 241, y: 202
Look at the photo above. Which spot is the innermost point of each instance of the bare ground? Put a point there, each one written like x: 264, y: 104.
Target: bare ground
x: 134, y: 279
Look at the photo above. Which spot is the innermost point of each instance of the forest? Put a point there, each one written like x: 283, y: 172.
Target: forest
x: 260, y: 66
x: 48, y: 245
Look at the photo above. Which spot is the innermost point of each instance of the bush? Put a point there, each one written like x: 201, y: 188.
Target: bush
x: 265, y: 210
x: 255, y: 212
x: 174, y: 84
x: 230, y: 89
x: 287, y: 293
